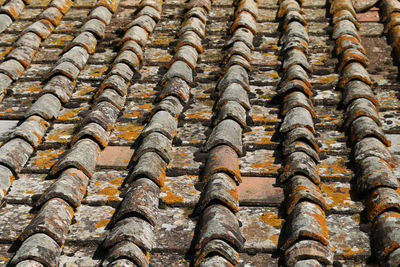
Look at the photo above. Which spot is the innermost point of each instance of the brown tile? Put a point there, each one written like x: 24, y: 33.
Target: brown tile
x: 259, y: 191
x: 115, y: 156
x: 369, y: 16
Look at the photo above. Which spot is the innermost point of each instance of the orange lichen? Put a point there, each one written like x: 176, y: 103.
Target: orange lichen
x: 171, y: 197
x: 274, y: 239
x: 350, y: 251
x: 46, y: 158
x: 116, y: 181
x: 271, y: 219
x: 108, y: 191
x: 102, y: 223
x: 327, y: 79
x: 339, y: 197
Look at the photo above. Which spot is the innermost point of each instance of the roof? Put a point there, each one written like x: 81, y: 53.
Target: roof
x: 170, y: 133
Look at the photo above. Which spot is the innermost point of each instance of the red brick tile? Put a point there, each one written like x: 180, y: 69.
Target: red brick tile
x: 369, y: 16
x: 259, y: 191
x: 115, y: 156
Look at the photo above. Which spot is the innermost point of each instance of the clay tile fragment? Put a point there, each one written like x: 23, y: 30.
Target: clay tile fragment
x: 235, y: 74
x: 223, y: 159
x: 299, y: 163
x: 12, y: 68
x: 123, y: 70
x: 52, y: 14
x: 122, y: 262
x: 385, y: 234
x: 162, y: 122
x: 238, y: 60
x: 206, y: 4
x: 354, y: 71
x: 197, y: 12
x: 286, y: 6
x: 134, y: 47
x: 82, y: 155
x: 170, y: 104
x: 144, y: 22
x: 297, y: 99
x: 142, y: 199
x: 388, y: 7
x: 344, y: 27
x: 129, y: 58
x: 111, y: 5
x: 29, y: 263
x: 65, y: 68
x: 178, y: 69
x: 42, y: 27
x: 234, y: 92
x: 77, y: 55
x: 126, y: 250
x: 231, y: 110
x: 246, y: 20
x: 352, y: 55
x: 357, y: 89
x: 296, y: 57
x: 301, y: 134
x: 294, y: 85
x: 227, y: 132
x: 23, y: 54
x: 104, y: 114
x: 157, y: 4
x: 176, y: 87
x: 307, y: 221
x: 155, y: 142
x: 215, y: 260
x: 53, y: 220
x: 346, y: 41
x: 218, y: 222
x: 295, y: 72
x: 217, y: 247
x: 6, y: 179
x: 382, y: 199
x: 195, y: 25
x: 32, y: 130
x: 308, y: 249
x: 86, y: 40
x: 295, y: 30
x: 111, y: 96
x: 300, y: 188
x: 187, y: 54
x: 38, y: 247
x: 5, y: 22
x: 372, y: 147
x: 115, y: 82
x: 62, y: 5
x: 345, y: 14
x: 242, y: 35
x: 342, y: 5
x: 189, y: 38
x: 239, y: 48
x: 300, y: 146
x: 393, y: 259
x: 47, y: 106
x: 101, y: 13
x: 295, y: 118
x: 365, y: 126
x: 15, y: 153
x: 29, y: 39
x: 70, y: 186
x: 151, y: 12
x: 374, y: 172
x: 133, y: 229
x: 361, y: 107
x: 149, y: 165
x: 95, y: 26
x: 94, y: 131
x: 249, y: 6
x: 222, y: 189
x: 13, y: 8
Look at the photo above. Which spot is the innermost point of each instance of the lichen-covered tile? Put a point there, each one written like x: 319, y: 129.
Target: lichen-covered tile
x: 67, y: 26
x: 104, y: 187
x: 261, y: 115
x: 184, y: 160
x: 73, y: 112
x: 260, y: 228
x: 75, y: 255
x: 44, y: 159
x: 390, y: 121
x: 125, y: 133
x: 371, y: 29
x: 147, y: 91
x: 169, y: 259
x: 175, y: 229
x: 335, y: 167
x: 332, y: 141
x: 11, y: 108
x: 94, y: 72
x: 27, y: 188
x: 260, y: 137
x: 199, y: 111
x: 339, y: 199
x: 13, y: 219
x: 180, y: 191
x: 136, y: 110
x: 26, y: 88
x: 347, y: 237
x: 156, y: 56
x: 328, y: 118
x: 192, y: 134
x: 89, y: 223
x: 260, y: 162
x: 60, y: 133
x: 387, y: 97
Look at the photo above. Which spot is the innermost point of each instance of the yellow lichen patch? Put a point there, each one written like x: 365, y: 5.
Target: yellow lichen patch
x: 46, y: 158
x: 171, y: 197
x: 274, y: 239
x: 202, y: 114
x: 337, y: 197
x: 97, y: 71
x: 60, y: 135
x: 334, y: 167
x: 271, y: 219
x: 61, y: 40
x: 194, y: 141
x: 327, y: 79
x: 129, y: 132
x: 29, y: 191
x: 102, y: 223
x: 116, y: 181
x: 108, y: 191
x: 5, y: 51
x: 350, y: 251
